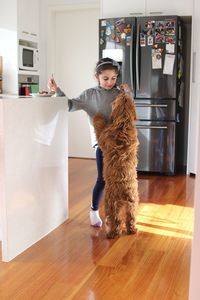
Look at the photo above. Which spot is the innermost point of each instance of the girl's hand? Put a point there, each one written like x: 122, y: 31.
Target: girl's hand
x: 52, y: 85
x: 124, y: 87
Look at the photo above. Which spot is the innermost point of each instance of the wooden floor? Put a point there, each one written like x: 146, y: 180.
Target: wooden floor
x: 76, y: 261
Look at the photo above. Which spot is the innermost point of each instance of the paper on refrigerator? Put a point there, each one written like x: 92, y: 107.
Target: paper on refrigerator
x: 169, y: 64
x: 156, y: 59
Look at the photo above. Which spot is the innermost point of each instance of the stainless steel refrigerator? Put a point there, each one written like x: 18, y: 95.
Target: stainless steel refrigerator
x: 150, y: 52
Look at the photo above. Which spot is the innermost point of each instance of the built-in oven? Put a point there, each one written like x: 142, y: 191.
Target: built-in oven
x: 156, y: 125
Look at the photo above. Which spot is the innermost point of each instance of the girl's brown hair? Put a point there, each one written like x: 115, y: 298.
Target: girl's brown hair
x: 107, y: 64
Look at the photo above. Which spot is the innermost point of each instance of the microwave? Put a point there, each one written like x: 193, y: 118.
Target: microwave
x: 28, y: 58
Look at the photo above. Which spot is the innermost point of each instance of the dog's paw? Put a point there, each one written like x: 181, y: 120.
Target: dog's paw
x: 132, y: 230
x: 112, y: 234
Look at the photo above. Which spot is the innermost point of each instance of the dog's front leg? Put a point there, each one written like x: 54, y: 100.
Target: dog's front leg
x: 99, y: 124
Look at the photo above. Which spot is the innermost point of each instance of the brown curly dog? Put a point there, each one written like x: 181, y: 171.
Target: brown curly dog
x: 119, y: 144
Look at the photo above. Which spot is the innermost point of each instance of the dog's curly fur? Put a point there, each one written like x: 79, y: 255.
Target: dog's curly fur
x: 119, y: 144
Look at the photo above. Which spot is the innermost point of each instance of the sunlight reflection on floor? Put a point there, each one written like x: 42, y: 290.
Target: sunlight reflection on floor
x: 168, y: 220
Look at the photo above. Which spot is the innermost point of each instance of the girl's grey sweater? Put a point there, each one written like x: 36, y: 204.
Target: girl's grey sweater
x: 92, y: 101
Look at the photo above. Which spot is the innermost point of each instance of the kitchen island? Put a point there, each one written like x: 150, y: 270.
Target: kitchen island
x: 33, y: 171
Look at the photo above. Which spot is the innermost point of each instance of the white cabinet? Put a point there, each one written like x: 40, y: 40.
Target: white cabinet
x: 33, y: 171
x: 172, y: 7
x: 28, y: 19
x: 127, y: 8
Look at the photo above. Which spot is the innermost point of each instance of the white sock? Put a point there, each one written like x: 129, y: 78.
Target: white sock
x: 95, y: 219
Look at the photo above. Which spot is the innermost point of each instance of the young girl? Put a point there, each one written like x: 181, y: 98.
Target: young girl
x: 96, y: 100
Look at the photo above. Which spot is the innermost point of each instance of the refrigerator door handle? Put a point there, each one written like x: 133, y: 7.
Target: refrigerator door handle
x: 151, y: 105
x: 131, y: 58
x: 150, y: 127
x: 194, y: 67
x: 137, y: 57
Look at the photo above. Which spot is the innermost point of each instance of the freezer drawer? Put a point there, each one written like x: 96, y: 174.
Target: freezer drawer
x: 156, y: 110
x: 157, y: 147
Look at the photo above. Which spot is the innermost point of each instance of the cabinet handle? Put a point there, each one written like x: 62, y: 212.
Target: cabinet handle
x: 155, y: 12
x: 26, y: 32
x: 194, y: 67
x: 136, y: 14
x: 34, y: 34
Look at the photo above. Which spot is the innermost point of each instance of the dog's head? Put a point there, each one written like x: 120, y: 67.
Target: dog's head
x: 123, y: 110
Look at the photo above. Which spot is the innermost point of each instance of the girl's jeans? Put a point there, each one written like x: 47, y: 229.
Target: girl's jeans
x: 100, y: 183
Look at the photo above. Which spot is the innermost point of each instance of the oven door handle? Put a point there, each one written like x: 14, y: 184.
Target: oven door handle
x: 150, y: 127
x: 151, y: 105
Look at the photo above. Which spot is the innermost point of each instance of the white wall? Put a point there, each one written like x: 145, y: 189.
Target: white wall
x: 194, y: 293
x: 47, y: 7
x: 8, y: 15
x: 8, y: 50
x: 76, y: 55
x: 72, y: 55
x: 8, y: 44
x: 195, y: 257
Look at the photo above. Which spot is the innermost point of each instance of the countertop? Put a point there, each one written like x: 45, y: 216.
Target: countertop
x: 15, y: 96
